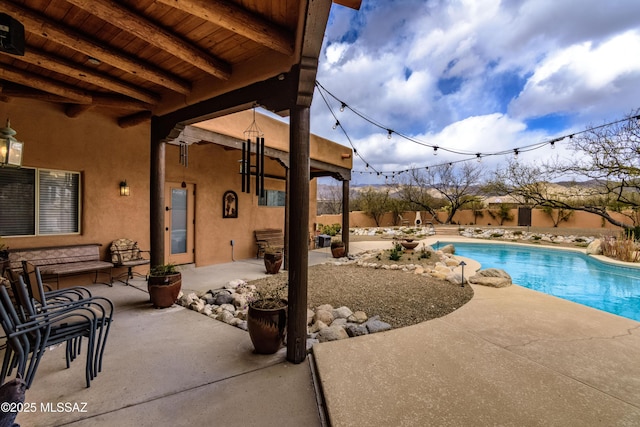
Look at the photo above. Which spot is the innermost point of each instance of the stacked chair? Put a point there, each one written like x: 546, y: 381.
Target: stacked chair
x: 35, y: 319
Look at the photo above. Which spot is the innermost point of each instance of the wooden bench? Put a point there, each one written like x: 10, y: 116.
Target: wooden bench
x: 269, y: 238
x: 59, y: 261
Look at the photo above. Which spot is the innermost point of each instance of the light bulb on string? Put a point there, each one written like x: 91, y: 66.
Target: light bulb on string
x: 515, y: 153
x: 553, y: 145
x: 342, y: 107
x: 435, y: 150
x: 366, y: 167
x: 336, y: 125
x: 478, y: 157
x: 389, y: 132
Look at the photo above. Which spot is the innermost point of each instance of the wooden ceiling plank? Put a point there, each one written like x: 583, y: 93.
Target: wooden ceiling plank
x: 238, y: 20
x: 60, y: 65
x: 44, y: 84
x: 42, y: 26
x: 30, y: 93
x: 134, y: 119
x: 111, y: 11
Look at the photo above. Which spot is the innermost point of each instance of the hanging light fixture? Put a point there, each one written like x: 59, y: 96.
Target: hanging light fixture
x: 10, y: 148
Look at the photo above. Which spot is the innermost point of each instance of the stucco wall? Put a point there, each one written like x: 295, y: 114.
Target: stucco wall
x: 465, y: 217
x: 104, y: 153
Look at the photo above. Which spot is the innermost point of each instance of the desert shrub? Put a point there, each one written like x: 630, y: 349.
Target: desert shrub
x: 623, y: 248
x: 330, y: 230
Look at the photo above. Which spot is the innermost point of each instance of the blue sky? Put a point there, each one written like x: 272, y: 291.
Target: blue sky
x: 477, y: 76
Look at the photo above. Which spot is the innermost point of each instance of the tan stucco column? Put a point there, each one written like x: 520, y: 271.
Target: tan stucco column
x: 298, y: 245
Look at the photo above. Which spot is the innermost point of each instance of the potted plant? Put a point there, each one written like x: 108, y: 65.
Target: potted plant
x: 267, y: 317
x: 272, y: 260
x: 164, y: 285
x: 337, y: 248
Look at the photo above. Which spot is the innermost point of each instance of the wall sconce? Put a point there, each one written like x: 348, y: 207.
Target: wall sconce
x: 124, y: 188
x: 10, y: 148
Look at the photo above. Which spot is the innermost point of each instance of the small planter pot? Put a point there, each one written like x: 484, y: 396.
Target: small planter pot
x: 272, y: 262
x: 267, y: 326
x: 164, y: 290
x: 338, y: 251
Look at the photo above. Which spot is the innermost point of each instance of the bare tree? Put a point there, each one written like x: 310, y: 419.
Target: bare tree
x: 330, y: 199
x: 454, y: 182
x: 607, y: 158
x: 374, y: 202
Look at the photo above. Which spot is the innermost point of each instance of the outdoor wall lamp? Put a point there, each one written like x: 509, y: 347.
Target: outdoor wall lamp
x: 124, y: 188
x: 10, y: 148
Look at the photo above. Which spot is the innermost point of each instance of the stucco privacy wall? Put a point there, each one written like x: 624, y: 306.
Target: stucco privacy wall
x: 104, y: 153
x: 465, y: 217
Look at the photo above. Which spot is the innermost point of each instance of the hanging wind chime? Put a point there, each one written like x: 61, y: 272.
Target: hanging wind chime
x: 184, y: 160
x: 253, y: 133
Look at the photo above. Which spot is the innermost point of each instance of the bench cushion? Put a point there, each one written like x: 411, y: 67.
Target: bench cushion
x: 73, y: 267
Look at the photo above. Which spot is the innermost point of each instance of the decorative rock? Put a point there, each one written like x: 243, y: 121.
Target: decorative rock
x: 209, y: 299
x: 324, y: 316
x: 339, y: 322
x: 197, y: 305
x: 241, y: 314
x: 455, y: 278
x: 239, y: 300
x: 234, y: 284
x: 595, y: 247
x: 341, y: 312
x: 207, y: 310
x: 224, y: 297
x: 310, y: 315
x: 451, y: 262
x: 317, y: 326
x: 354, y: 330
x: 374, y: 325
x: 228, y: 307
x: 358, y: 317
x: 448, y: 249
x: 225, y: 316
x: 242, y: 325
x: 332, y: 333
x: 493, y: 277
x: 327, y: 307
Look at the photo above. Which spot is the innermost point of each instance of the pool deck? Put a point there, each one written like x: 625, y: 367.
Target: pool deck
x: 509, y: 357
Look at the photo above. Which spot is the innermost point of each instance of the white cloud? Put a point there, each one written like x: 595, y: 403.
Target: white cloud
x: 472, y: 73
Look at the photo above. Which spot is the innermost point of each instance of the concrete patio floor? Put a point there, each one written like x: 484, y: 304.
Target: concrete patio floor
x: 510, y: 356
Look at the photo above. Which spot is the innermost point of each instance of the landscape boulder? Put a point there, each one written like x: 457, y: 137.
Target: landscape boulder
x: 493, y: 277
x: 595, y: 247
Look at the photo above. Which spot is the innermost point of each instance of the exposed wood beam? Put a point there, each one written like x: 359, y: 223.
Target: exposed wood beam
x: 111, y: 11
x: 119, y: 102
x: 62, y: 66
x: 42, y: 26
x: 353, y: 4
x: 47, y: 85
x: 20, y: 91
x: 74, y: 110
x: 232, y: 17
x: 134, y: 119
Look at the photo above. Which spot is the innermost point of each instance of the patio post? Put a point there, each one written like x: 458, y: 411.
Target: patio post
x: 298, y: 244
x: 345, y: 215
x: 156, y: 205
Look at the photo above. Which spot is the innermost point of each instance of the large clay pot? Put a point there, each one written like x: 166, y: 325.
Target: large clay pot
x: 164, y: 290
x: 338, y: 251
x: 272, y: 262
x: 267, y: 327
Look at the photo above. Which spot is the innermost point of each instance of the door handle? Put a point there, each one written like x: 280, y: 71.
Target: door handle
x: 167, y: 208
x: 166, y: 229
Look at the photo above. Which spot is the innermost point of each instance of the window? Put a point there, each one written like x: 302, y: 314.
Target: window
x: 272, y: 198
x: 39, y: 202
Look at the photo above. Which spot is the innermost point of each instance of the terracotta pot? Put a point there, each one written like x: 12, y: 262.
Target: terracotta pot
x: 267, y: 327
x: 164, y: 290
x: 272, y: 262
x: 338, y: 251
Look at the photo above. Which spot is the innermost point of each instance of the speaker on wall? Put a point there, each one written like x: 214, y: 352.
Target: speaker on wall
x: 11, y: 35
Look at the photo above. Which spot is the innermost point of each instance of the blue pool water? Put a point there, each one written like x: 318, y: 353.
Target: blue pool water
x: 564, y: 274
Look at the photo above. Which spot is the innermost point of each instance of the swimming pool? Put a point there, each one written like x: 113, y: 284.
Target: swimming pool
x: 564, y: 274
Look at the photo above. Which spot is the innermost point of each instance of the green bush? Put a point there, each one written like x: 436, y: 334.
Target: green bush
x: 331, y: 230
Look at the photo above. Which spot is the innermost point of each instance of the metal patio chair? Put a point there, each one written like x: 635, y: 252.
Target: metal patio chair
x: 126, y: 253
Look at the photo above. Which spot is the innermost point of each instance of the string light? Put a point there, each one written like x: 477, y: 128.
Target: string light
x: 478, y: 156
